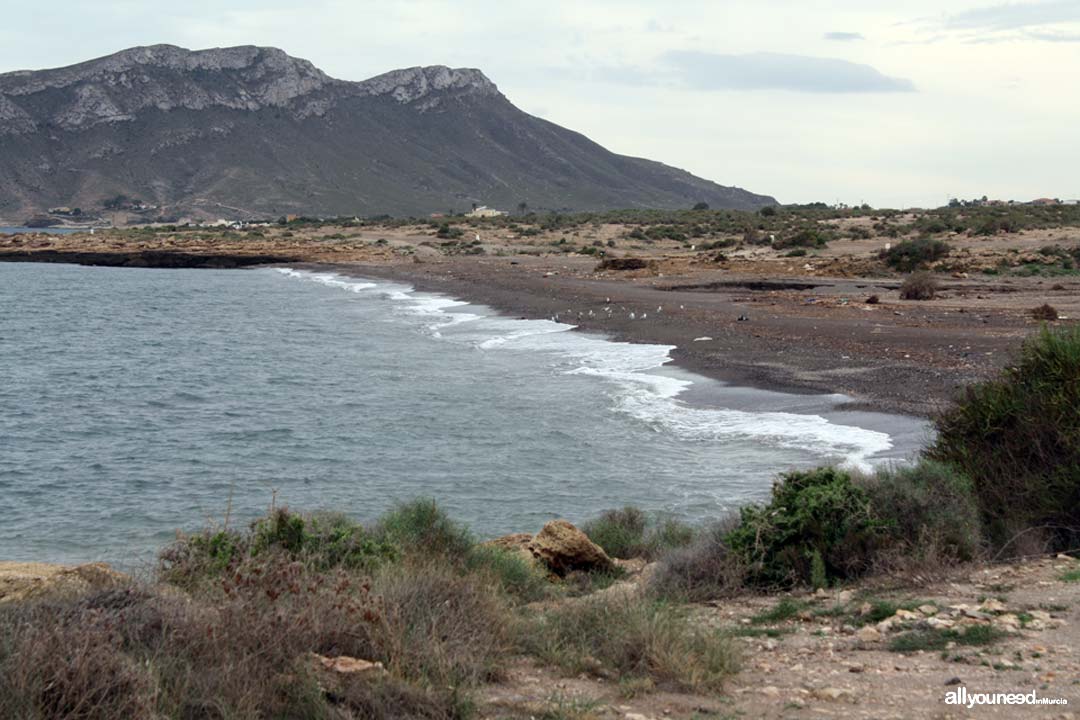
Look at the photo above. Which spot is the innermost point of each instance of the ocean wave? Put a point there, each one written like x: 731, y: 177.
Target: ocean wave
x: 630, y: 369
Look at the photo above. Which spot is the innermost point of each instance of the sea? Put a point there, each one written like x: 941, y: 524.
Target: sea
x: 136, y: 403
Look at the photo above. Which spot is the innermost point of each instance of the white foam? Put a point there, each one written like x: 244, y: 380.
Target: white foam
x: 640, y: 392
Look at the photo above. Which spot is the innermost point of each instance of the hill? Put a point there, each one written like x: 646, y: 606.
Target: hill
x: 162, y: 131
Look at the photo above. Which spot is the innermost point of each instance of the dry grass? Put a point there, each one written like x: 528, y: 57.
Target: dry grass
x: 631, y: 638
x: 918, y: 286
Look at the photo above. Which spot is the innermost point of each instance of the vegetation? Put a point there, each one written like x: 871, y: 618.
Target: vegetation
x: 818, y: 527
x: 1018, y: 437
x: 910, y: 255
x: 630, y: 533
x: 918, y: 286
x: 630, y: 638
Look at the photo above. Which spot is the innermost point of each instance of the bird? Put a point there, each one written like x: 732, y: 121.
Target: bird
x: 633, y: 316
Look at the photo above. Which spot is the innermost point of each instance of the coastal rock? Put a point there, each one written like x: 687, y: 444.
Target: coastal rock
x: 563, y: 549
x: 517, y: 543
x: 22, y: 581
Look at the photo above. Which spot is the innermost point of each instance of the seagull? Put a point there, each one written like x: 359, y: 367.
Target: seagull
x: 633, y: 316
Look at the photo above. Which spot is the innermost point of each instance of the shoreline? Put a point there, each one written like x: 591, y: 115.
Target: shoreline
x: 732, y: 355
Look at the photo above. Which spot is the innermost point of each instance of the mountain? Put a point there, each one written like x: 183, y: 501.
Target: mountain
x: 250, y: 131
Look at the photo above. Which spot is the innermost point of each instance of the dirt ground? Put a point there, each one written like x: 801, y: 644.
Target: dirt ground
x: 827, y: 661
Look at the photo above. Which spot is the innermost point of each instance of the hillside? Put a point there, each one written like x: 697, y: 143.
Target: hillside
x: 249, y: 131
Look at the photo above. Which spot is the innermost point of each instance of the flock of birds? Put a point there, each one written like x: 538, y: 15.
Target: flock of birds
x: 631, y: 315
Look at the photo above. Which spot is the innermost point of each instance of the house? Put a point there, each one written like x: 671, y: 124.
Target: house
x: 484, y: 211
x: 1046, y: 201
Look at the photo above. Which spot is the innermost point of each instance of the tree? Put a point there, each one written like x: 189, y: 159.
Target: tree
x: 523, y: 207
x: 701, y: 206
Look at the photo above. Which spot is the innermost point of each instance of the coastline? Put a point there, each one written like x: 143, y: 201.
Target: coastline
x: 773, y: 353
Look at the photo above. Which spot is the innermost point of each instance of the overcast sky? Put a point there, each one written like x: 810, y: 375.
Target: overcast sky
x: 895, y: 104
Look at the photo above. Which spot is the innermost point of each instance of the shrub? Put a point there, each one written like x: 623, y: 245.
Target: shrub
x: 929, y: 513
x: 420, y: 527
x: 627, y: 263
x: 511, y: 572
x: 815, y: 513
x: 706, y: 569
x: 241, y: 652
x: 918, y: 286
x: 1045, y: 312
x: 1018, y: 437
x: 631, y: 638
x: 438, y: 625
x: 910, y: 255
x: 322, y: 540
x: 804, y: 237
x: 629, y: 533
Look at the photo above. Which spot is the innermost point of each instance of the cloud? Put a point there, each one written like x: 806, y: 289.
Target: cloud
x: 844, y: 36
x: 1015, y: 16
x: 1051, y: 36
x: 775, y: 71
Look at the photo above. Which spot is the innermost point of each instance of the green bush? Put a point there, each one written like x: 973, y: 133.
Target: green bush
x: 511, y: 572
x: 1018, y: 437
x: 421, y: 527
x: 814, y: 237
x: 818, y: 513
x: 629, y: 533
x: 321, y: 540
x: 929, y: 513
x: 909, y: 255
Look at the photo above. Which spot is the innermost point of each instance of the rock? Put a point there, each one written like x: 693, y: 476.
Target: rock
x: 834, y: 694
x: 868, y: 634
x: 844, y: 597
x: 21, y: 581
x: 771, y: 691
x: 631, y: 566
x: 903, y: 615
x: 992, y: 605
x: 517, y: 541
x: 939, y: 623
x: 953, y: 681
x: 1007, y: 622
x: 563, y: 548
x: 928, y: 610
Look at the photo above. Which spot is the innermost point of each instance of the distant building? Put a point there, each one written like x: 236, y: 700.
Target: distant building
x: 1046, y: 201
x: 484, y: 211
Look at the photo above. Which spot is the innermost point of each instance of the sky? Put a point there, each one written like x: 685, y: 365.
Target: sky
x: 896, y: 104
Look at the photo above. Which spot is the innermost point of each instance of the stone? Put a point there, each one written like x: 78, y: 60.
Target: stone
x: 939, y: 623
x: 928, y: 610
x: 992, y: 605
x: 564, y: 549
x: 834, y: 694
x: 21, y: 581
x: 844, y: 597
x: 868, y: 634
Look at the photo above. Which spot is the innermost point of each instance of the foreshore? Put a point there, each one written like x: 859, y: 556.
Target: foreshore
x: 900, y: 363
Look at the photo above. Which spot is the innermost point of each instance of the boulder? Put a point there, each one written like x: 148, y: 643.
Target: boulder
x: 563, y: 549
x: 23, y: 581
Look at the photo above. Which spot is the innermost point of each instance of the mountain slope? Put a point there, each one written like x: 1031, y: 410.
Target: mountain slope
x: 248, y: 131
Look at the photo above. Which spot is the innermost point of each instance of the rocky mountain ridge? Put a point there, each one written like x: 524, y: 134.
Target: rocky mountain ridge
x: 248, y: 131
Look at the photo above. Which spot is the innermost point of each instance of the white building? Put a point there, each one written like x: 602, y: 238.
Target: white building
x: 484, y: 211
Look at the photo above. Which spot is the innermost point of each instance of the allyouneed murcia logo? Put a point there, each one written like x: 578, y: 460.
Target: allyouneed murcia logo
x: 961, y: 696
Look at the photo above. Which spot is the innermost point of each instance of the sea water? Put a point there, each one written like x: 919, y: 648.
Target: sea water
x: 135, y: 402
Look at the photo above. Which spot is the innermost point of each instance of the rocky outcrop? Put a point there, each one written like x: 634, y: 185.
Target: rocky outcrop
x: 24, y: 581
x: 564, y: 549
